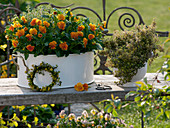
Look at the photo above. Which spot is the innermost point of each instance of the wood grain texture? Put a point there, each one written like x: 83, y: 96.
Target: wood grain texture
x: 12, y: 94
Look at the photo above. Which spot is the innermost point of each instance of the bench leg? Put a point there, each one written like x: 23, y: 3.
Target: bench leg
x: 1, y: 108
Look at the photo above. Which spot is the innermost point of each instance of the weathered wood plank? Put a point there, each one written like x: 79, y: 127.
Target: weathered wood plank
x: 11, y: 94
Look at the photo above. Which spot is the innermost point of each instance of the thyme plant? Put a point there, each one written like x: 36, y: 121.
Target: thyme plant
x: 130, y: 50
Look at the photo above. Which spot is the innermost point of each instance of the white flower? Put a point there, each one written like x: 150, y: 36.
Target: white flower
x: 71, y: 116
x: 93, y: 112
x: 85, y: 114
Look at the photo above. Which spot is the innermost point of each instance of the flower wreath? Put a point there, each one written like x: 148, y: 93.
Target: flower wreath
x: 37, y: 69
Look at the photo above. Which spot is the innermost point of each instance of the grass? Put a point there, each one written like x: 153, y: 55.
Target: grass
x: 149, y: 10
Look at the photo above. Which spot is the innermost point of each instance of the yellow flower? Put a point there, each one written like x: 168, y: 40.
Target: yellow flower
x: 42, y: 29
x: 52, y: 45
x: 4, y: 67
x: 46, y: 24
x: 20, y: 33
x: 79, y: 87
x: 33, y: 31
x: 14, y: 43
x: 61, y: 25
x: 104, y: 24
x: 63, y: 46
x: 61, y: 17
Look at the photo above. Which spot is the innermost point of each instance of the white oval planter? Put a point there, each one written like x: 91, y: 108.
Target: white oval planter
x: 140, y: 75
x: 73, y: 69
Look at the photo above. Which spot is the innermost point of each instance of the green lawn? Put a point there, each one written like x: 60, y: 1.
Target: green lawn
x: 149, y: 10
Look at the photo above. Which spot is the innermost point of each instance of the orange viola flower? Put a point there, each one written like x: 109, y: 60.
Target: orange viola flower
x: 80, y: 33
x: 11, y: 28
x: 101, y: 28
x: 23, y: 19
x: 46, y: 24
x: 30, y: 48
x: 33, y: 31
x: 76, y: 19
x: 61, y: 25
x: 63, y: 46
x: 39, y: 35
x: 42, y: 29
x: 71, y: 14
x: 17, y: 25
x: 29, y: 36
x: 61, y: 17
x: 20, y: 33
x: 74, y: 35
x: 91, y: 36
x: 55, y: 13
x: 38, y: 22
x: 33, y: 22
x: 52, y: 44
x: 92, y: 27
x: 85, y: 86
x: 85, y: 40
x: 79, y: 87
x: 14, y: 43
x: 25, y: 29
x: 80, y: 28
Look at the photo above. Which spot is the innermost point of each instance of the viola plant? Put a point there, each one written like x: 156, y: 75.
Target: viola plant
x: 44, y: 31
x: 93, y: 119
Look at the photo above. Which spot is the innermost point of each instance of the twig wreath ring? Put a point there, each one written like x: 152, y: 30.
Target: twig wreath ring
x: 38, y: 69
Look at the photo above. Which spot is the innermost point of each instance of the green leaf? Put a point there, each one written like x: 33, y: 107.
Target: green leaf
x: 99, y: 47
x: 15, y: 123
x: 45, y: 16
x: 145, y: 80
x: 167, y: 114
x: 131, y: 93
x: 137, y: 98
x: 114, y: 113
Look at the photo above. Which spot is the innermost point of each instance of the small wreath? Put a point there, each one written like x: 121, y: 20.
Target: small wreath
x: 37, y: 69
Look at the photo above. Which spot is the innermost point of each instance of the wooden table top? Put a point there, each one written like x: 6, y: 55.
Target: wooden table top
x: 12, y: 94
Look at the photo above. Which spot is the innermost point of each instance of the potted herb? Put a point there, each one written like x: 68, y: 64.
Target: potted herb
x: 56, y: 37
x: 129, y: 52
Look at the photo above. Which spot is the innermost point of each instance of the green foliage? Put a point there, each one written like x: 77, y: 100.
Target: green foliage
x: 130, y: 50
x: 149, y: 98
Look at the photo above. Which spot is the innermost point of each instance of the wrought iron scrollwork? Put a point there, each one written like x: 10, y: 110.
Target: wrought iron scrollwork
x: 127, y: 22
